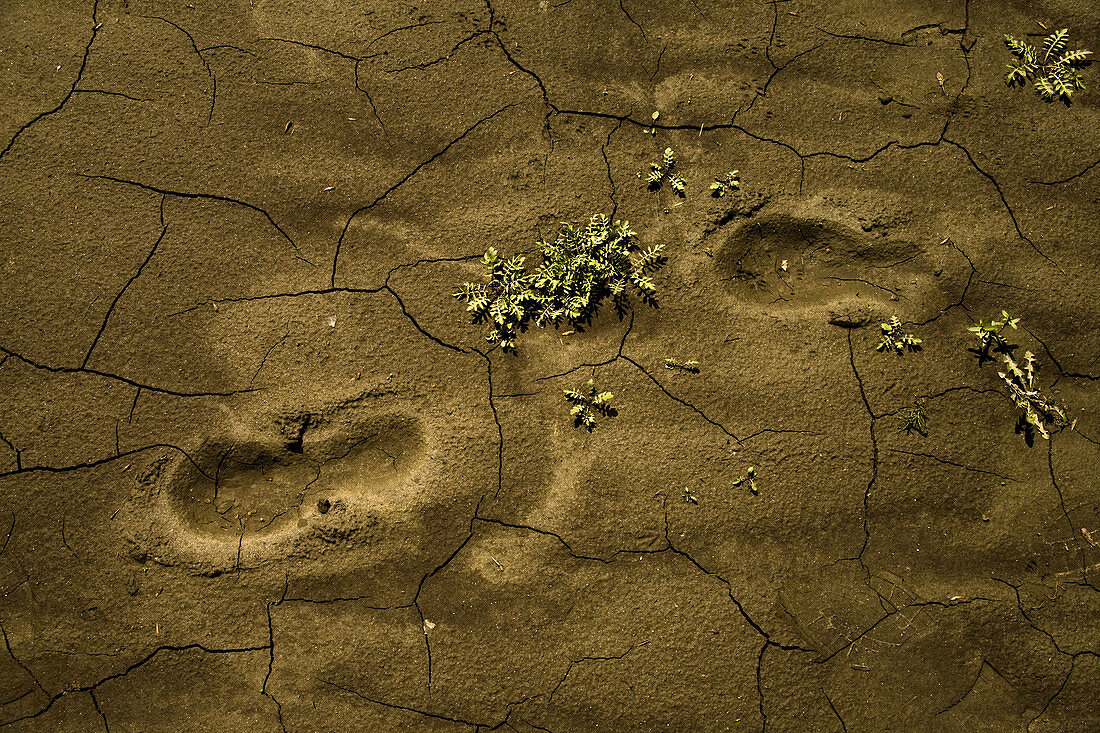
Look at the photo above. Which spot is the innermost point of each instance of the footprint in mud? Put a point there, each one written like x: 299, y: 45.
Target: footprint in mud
x: 807, y: 261
x: 268, y: 499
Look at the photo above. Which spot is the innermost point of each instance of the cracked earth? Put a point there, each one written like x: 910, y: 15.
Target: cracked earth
x: 260, y: 472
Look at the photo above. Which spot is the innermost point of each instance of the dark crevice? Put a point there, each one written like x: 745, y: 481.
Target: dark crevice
x: 416, y: 325
x: 206, y: 196
x: 93, y: 463
x: 136, y: 665
x: 1049, y: 702
x: 7, y: 537
x: 500, y: 428
x: 72, y: 90
x: 607, y: 164
x: 125, y: 380
x: 18, y: 453
x: 195, y: 47
x: 1041, y: 630
x: 272, y: 296
x: 412, y: 26
x: 135, y: 276
x: 1058, y: 365
x: 427, y: 64
x: 382, y: 196
x: 946, y: 462
x: 260, y: 367
x: 869, y: 39
x: 969, y: 689
x: 98, y: 709
x: 19, y: 663
x: 1083, y: 171
x: 113, y: 94
x: 582, y: 660
x: 874, y: 452
x: 683, y: 402
x: 1065, y: 511
x: 635, y: 23
x: 394, y: 706
x: 760, y: 687
x: 843, y: 725
x: 1001, y: 195
x: 271, y: 653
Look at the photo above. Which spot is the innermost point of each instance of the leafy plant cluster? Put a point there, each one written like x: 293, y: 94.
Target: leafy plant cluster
x: 587, y: 403
x: 749, y: 479
x: 579, y: 269
x: 729, y: 182
x: 914, y: 418
x: 895, y: 339
x: 990, y: 336
x: 1039, y: 413
x: 652, y: 130
x: 1053, y: 70
x: 691, y: 366
x: 662, y: 173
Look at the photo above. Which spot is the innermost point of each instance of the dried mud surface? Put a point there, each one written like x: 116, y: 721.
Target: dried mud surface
x: 259, y: 472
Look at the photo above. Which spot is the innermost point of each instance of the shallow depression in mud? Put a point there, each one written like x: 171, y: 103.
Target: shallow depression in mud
x: 260, y: 488
x: 813, y: 260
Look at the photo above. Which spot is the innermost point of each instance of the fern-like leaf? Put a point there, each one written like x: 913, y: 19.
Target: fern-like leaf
x: 1018, y: 48
x: 1074, y: 59
x: 1054, y: 43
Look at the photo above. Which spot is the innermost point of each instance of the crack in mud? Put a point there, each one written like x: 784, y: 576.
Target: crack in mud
x: 357, y: 61
x: 205, y: 65
x: 496, y: 419
x: 394, y: 706
x: 205, y: 196
x: 79, y: 74
x: 946, y: 462
x: 94, y: 463
x: 874, y: 455
x: 381, y: 197
x: 98, y: 709
x: 125, y: 380
x: 118, y: 675
x: 574, y: 662
x: 981, y: 668
x: 1001, y: 195
x: 1069, y: 178
x: 271, y: 652
x: 427, y: 64
x: 135, y: 276
x: 843, y: 725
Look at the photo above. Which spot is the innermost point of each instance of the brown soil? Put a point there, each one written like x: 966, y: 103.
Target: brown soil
x: 261, y: 473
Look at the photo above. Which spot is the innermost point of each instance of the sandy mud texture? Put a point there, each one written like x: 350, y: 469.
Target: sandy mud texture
x: 259, y: 471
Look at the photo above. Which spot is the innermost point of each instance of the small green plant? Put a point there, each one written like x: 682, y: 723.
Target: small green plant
x: 579, y: 269
x: 690, y: 367
x: 662, y: 173
x: 689, y: 496
x: 729, y: 182
x: 895, y: 339
x: 989, y: 335
x: 652, y: 130
x: 506, y: 300
x: 1053, y: 70
x: 588, y: 403
x: 914, y: 418
x: 749, y: 479
x: 1038, y: 412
